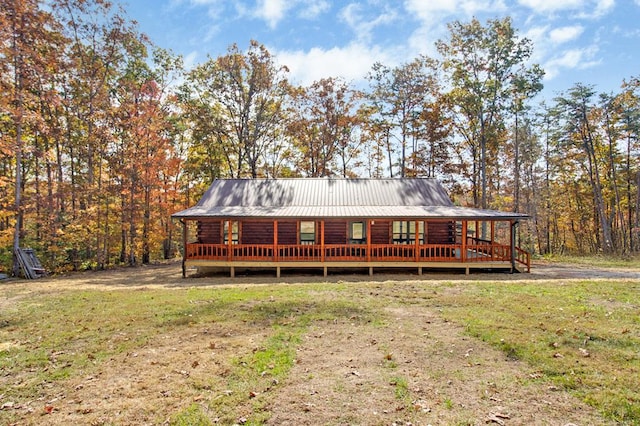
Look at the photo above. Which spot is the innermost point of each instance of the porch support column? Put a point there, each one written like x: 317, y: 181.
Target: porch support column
x: 275, y: 246
x: 232, y: 269
x: 493, y: 238
x: 275, y: 240
x: 229, y: 239
x: 463, y: 249
x: 416, y: 255
x: 368, y: 240
x: 512, y: 238
x: 493, y: 231
x: 184, y: 248
x: 322, y: 253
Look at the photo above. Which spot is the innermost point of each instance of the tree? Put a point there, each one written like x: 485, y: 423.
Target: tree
x: 322, y: 127
x: 28, y: 39
x: 580, y: 134
x: 242, y: 94
x: 400, y: 96
x: 523, y: 87
x: 480, y: 64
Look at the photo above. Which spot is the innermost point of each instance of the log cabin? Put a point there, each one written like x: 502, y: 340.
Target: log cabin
x: 344, y: 223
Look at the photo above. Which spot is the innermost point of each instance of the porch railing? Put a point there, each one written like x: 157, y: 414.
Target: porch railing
x: 473, y: 253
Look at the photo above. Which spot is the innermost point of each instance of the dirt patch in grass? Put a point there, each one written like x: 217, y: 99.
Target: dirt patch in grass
x: 410, y: 368
x: 150, y: 385
x: 417, y: 369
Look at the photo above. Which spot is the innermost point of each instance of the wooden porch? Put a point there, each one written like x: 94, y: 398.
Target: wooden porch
x: 231, y: 250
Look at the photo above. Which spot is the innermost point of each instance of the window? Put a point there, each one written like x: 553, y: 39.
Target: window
x: 358, y: 233
x: 235, y: 234
x: 404, y: 232
x: 307, y: 232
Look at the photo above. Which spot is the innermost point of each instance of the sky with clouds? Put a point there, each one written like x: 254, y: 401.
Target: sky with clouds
x: 588, y: 41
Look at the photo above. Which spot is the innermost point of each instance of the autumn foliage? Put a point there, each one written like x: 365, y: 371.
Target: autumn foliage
x: 103, y: 135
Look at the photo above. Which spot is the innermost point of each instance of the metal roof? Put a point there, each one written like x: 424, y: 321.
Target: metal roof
x: 332, y: 198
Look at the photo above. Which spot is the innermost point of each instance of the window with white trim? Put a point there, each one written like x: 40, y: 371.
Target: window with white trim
x: 307, y: 232
x: 357, y: 233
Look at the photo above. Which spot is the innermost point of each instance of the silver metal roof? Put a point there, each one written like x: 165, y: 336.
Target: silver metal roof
x: 332, y: 198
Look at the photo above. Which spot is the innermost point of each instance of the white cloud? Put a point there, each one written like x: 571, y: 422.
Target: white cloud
x: 571, y: 59
x: 434, y: 15
x: 543, y: 6
x: 540, y: 41
x: 351, y: 62
x: 584, y: 8
x: 363, y: 26
x: 314, y: 8
x: 272, y: 11
x: 189, y: 60
x: 603, y: 7
x: 565, y: 34
x: 425, y: 10
x: 431, y: 11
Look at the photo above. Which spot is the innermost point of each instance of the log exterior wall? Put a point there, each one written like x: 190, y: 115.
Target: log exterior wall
x: 381, y: 232
x: 335, y: 232
x: 209, y: 232
x: 287, y: 232
x: 440, y: 233
x: 257, y: 232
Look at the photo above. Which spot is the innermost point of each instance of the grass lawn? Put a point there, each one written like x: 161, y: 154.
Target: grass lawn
x: 221, y: 354
x: 584, y: 337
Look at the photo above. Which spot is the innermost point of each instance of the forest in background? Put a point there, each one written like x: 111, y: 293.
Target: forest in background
x: 104, y: 134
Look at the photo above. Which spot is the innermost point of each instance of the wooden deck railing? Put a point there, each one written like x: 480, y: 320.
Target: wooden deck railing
x: 523, y: 258
x: 478, y: 252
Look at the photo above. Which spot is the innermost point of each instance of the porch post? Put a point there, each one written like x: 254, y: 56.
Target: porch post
x: 417, y: 243
x: 275, y: 240
x: 184, y: 248
x: 463, y: 249
x: 425, y: 236
x: 322, y: 254
x: 493, y: 238
x: 369, y: 240
x: 512, y: 237
x: 229, y: 240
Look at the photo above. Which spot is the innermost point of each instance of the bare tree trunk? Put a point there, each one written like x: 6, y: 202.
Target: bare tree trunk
x: 516, y: 167
x: 146, y: 250
x: 18, y: 126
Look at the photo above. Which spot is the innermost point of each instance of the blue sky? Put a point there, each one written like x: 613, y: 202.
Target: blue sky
x: 593, y: 42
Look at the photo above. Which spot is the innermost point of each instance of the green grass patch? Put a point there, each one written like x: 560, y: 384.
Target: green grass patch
x: 581, y: 336
x: 627, y: 261
x: 191, y: 416
x: 401, y: 388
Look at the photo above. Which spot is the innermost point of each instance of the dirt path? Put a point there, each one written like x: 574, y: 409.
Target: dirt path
x: 169, y: 276
x: 417, y: 370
